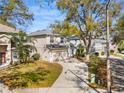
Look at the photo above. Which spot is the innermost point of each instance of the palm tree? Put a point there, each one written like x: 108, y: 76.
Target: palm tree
x: 23, y: 44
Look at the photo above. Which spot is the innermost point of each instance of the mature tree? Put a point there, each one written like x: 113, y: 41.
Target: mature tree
x: 64, y: 28
x: 14, y: 12
x: 119, y: 35
x: 23, y: 44
x: 89, y: 17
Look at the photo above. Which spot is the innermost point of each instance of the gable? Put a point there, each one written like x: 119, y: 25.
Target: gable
x: 4, y: 39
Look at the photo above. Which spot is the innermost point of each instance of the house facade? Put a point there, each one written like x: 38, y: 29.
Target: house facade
x: 5, y: 45
x: 51, y: 47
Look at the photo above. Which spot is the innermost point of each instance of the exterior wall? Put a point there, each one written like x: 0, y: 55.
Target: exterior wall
x: 56, y: 55
x: 5, y: 41
x: 40, y: 45
x: 45, y: 53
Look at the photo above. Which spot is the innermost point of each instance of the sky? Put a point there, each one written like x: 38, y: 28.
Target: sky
x: 43, y: 16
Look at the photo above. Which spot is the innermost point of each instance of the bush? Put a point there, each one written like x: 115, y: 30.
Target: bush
x: 80, y: 51
x: 120, y: 49
x: 102, y: 53
x: 36, y: 56
x: 97, y: 66
x: 95, y: 61
x: 111, y: 51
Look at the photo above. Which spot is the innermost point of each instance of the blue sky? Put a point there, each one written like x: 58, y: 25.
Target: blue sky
x: 43, y: 16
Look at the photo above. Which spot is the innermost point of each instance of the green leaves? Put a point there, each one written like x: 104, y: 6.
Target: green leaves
x: 24, y: 45
x: 65, y: 29
x: 15, y: 12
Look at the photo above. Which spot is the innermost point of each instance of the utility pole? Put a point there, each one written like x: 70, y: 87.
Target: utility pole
x: 108, y: 50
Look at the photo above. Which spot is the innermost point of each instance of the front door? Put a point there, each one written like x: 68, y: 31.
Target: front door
x: 2, y: 58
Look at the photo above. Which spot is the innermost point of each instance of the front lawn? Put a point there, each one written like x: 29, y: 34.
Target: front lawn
x: 31, y: 75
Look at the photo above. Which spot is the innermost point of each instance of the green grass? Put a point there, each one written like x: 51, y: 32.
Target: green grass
x: 118, y: 55
x: 31, y: 75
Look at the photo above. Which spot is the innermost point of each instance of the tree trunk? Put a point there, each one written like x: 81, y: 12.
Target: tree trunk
x: 116, y: 49
x: 87, y: 54
x: 87, y: 57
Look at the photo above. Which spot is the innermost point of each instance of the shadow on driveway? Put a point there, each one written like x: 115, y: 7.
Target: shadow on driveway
x: 117, y: 66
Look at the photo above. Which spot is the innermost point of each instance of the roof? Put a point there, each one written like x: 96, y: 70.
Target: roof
x: 7, y: 29
x: 73, y: 38
x: 56, y: 47
x: 41, y: 32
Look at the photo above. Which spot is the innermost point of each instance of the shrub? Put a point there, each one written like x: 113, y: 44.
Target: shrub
x: 34, y: 77
x: 95, y: 61
x: 120, y: 49
x: 80, y: 51
x: 111, y: 51
x: 36, y: 56
x: 98, y: 67
x: 102, y: 53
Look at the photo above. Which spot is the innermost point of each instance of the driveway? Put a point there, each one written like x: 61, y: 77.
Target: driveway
x: 117, y: 67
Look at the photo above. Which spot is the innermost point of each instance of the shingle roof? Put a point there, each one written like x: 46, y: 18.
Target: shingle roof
x: 41, y: 32
x: 73, y: 38
x: 7, y: 29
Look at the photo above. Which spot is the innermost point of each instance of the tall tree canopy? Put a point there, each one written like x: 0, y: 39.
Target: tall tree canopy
x: 89, y: 16
x: 64, y: 28
x: 14, y: 12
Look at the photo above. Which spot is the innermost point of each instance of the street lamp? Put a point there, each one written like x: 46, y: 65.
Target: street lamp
x: 108, y: 49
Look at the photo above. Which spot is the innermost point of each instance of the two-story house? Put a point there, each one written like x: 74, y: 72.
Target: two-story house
x: 50, y: 46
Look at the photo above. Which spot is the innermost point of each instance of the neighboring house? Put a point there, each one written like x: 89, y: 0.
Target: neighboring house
x: 98, y: 46
x: 73, y: 42
x: 50, y: 46
x: 6, y: 45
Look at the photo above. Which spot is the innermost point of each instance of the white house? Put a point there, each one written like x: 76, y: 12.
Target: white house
x: 5, y: 44
x: 99, y: 45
